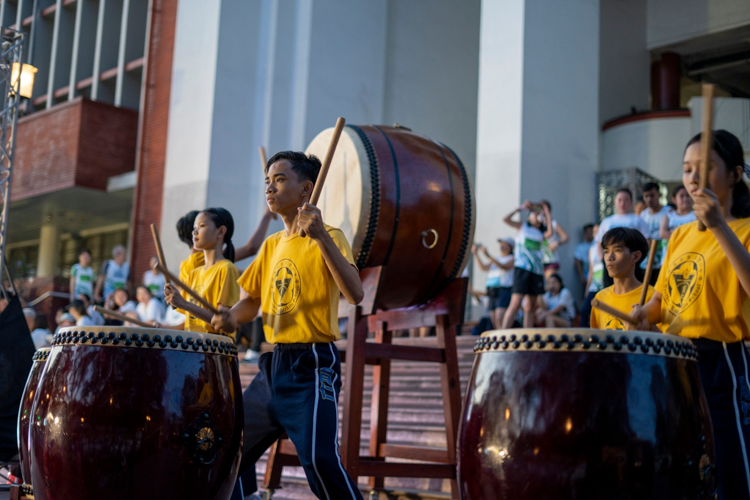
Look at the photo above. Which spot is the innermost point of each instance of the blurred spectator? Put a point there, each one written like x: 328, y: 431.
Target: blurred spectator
x: 581, y: 255
x: 683, y: 214
x: 121, y: 301
x: 77, y: 309
x: 558, y: 308
x: 639, y: 207
x: 528, y: 273
x: 42, y: 336
x: 499, y: 278
x: 595, y: 280
x: 154, y: 280
x: 149, y: 308
x: 82, y: 276
x: 173, y: 318
x: 66, y: 320
x: 131, y: 314
x: 30, y: 316
x: 97, y: 318
x: 115, y: 274
x: 559, y: 237
x: 653, y: 215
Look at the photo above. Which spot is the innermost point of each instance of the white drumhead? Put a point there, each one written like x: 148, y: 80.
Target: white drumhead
x: 345, y: 199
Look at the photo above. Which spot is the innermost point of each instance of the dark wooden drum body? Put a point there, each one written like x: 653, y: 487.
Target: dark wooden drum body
x: 26, y: 409
x: 137, y: 413
x: 585, y: 415
x: 404, y: 202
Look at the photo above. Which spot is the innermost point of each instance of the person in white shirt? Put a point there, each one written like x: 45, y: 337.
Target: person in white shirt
x: 550, y: 258
x: 42, y: 336
x: 154, y: 280
x: 121, y: 302
x: 97, y: 318
x: 558, y: 308
x: 653, y: 215
x: 149, y: 309
x: 499, y: 278
x: 623, y: 217
x: 115, y: 274
x: 77, y: 309
x: 82, y: 276
x: 683, y: 214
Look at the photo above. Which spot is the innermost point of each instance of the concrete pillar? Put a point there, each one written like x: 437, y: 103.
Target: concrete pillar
x: 48, y: 250
x: 538, y: 130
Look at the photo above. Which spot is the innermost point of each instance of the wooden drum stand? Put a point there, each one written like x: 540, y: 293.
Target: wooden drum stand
x: 445, y: 313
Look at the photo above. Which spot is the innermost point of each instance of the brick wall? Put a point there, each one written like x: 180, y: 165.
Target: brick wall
x: 78, y: 143
x: 153, y: 136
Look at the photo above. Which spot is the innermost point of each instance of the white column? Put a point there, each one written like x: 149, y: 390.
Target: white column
x: 538, y: 114
x: 48, y: 250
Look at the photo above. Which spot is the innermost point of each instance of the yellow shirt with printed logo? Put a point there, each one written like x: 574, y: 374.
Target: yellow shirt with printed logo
x: 701, y: 294
x: 218, y: 285
x: 624, y: 302
x: 298, y: 295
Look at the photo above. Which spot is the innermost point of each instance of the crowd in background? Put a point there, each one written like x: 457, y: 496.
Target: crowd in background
x: 523, y: 285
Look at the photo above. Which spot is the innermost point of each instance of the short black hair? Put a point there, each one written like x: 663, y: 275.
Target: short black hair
x: 588, y: 226
x: 185, y: 227
x: 650, y: 186
x: 632, y: 239
x: 558, y: 278
x: 625, y: 190
x: 83, y: 251
x: 677, y: 189
x: 305, y: 166
x: 79, y: 306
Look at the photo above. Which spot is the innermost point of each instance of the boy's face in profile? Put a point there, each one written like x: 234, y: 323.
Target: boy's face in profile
x: 619, y: 260
x: 284, y: 191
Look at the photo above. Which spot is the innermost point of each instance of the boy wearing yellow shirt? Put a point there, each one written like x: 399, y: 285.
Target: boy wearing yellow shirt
x: 623, y: 251
x: 296, y: 283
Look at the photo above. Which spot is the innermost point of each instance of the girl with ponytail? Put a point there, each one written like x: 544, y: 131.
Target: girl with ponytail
x: 703, y: 293
x: 216, y: 279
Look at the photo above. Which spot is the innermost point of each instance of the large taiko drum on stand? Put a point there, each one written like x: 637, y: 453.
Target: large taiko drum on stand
x: 404, y: 202
x: 137, y: 413
x: 26, y: 409
x: 585, y: 415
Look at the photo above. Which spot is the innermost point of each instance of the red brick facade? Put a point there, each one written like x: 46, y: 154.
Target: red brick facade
x: 78, y: 143
x: 153, y: 134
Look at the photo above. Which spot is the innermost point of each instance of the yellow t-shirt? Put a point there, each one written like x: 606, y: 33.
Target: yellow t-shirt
x: 298, y: 295
x: 701, y: 293
x: 218, y: 285
x: 624, y: 302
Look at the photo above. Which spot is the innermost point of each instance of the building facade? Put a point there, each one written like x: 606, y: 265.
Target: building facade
x: 146, y: 109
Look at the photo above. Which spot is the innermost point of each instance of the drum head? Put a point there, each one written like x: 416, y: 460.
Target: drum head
x: 345, y: 199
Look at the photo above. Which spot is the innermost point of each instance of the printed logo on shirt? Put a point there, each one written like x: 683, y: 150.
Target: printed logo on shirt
x: 287, y: 287
x: 685, y: 282
x: 614, y: 324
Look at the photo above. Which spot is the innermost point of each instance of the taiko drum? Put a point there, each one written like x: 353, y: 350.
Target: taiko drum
x: 26, y: 409
x: 136, y: 413
x: 585, y: 415
x: 404, y: 202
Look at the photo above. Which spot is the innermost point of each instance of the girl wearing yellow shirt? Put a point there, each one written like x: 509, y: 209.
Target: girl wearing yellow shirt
x: 703, y: 295
x: 216, y: 280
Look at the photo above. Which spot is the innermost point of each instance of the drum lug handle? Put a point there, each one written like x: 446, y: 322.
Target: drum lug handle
x: 425, y: 234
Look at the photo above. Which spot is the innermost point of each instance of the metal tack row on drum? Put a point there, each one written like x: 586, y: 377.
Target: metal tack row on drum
x: 124, y: 413
x: 585, y: 415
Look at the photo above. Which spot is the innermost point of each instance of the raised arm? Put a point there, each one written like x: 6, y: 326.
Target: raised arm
x: 664, y: 232
x: 475, y: 250
x: 508, y: 219
x: 563, y: 235
x: 548, y: 217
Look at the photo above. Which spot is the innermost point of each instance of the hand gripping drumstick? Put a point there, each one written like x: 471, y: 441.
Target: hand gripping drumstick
x: 649, y: 268
x: 706, y: 138
x: 121, y: 317
x: 171, y: 277
x: 612, y: 311
x: 326, y: 164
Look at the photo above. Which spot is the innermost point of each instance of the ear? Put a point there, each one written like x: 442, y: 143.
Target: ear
x: 222, y: 232
x: 636, y: 256
x: 307, y: 188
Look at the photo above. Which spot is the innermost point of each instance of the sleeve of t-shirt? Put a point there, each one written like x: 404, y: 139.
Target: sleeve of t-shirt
x: 74, y: 271
x: 643, y: 228
x: 603, y: 228
x: 594, y: 321
x: 343, y: 245
x: 104, y: 268
x: 251, y: 279
x: 567, y: 299
x: 230, y: 291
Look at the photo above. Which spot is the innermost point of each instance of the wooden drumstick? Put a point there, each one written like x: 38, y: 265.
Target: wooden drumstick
x: 326, y: 164
x: 121, y: 317
x: 174, y: 279
x: 649, y: 269
x: 263, y: 160
x: 597, y: 304
x: 157, y: 244
x: 706, y: 138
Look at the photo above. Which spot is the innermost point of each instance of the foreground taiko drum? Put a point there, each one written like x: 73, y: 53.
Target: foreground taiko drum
x: 404, y: 202
x: 137, y: 413
x: 26, y: 409
x: 585, y: 415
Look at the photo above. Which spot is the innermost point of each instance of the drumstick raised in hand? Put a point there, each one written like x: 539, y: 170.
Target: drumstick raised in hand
x: 706, y: 139
x: 201, y: 301
x: 121, y: 317
x: 326, y: 164
x: 597, y: 304
x: 649, y: 269
x: 159, y: 249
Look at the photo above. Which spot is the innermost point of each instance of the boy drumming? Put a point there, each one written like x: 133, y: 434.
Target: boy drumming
x: 296, y: 282
x: 624, y: 250
x: 702, y: 294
